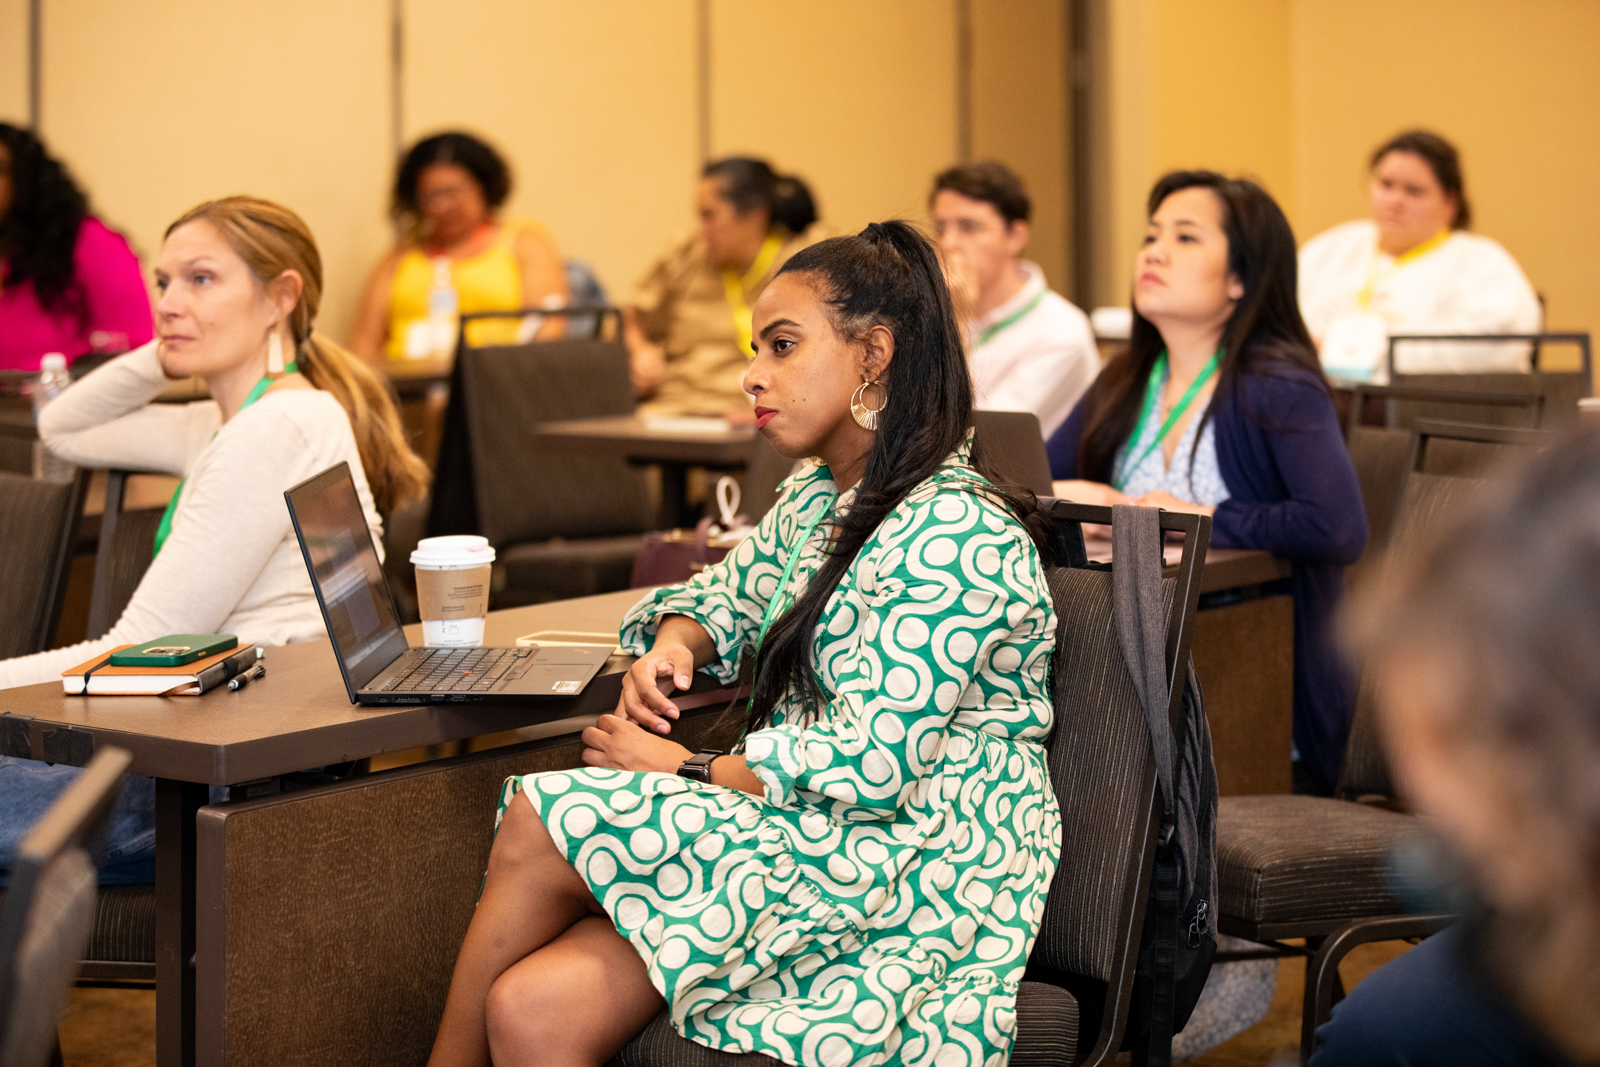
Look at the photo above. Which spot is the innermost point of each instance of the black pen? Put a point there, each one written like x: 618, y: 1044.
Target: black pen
x: 219, y: 673
x: 242, y: 679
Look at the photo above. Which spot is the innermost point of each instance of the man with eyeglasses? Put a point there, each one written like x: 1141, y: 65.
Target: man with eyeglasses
x: 1029, y: 348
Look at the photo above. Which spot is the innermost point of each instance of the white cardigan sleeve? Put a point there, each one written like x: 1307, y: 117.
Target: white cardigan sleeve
x: 106, y: 419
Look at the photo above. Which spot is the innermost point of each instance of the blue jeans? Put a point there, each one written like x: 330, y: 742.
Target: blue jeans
x: 1428, y: 1007
x: 28, y: 787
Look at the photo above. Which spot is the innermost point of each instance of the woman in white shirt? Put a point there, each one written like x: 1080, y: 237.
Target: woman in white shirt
x: 1414, y: 269
x: 240, y: 281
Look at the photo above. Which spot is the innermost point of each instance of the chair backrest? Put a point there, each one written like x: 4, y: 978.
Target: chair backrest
x: 1561, y: 389
x: 1102, y: 768
x: 1015, y: 446
x: 38, y: 523
x: 49, y: 905
x: 1402, y: 405
x: 127, y: 544
x: 519, y: 491
x: 1469, y: 450
x: 1427, y: 502
x: 17, y: 431
x: 385, y: 871
x: 1380, y: 456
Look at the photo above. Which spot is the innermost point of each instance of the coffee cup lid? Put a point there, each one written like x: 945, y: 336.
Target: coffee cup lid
x: 460, y: 550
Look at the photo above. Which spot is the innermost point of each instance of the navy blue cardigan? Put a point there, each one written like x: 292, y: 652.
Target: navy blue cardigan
x: 1292, y: 491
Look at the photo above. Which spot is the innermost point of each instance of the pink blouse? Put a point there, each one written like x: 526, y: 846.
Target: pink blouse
x: 118, y: 307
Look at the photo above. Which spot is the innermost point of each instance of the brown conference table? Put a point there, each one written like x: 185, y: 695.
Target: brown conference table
x: 673, y: 449
x: 299, y: 716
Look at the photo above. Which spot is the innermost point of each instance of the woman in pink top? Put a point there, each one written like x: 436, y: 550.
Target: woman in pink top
x: 68, y: 284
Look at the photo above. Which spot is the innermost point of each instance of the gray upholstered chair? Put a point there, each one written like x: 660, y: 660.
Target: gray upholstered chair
x: 48, y: 910
x: 38, y: 522
x: 563, y: 524
x: 127, y: 541
x: 1559, y: 390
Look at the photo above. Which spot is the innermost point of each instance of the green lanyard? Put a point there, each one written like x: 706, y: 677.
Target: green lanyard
x: 1010, y: 320
x: 1152, y: 398
x: 788, y: 572
x: 164, y: 530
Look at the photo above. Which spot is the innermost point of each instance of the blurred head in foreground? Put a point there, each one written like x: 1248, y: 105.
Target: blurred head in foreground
x: 1486, y: 647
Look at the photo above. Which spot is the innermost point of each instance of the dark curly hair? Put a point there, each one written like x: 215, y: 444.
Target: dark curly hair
x: 40, y: 230
x: 487, y: 167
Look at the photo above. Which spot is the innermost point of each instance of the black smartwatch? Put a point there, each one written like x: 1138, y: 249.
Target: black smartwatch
x: 698, y: 766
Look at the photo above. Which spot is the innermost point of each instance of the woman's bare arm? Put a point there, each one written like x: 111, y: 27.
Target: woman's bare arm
x: 544, y: 279
x: 371, y: 332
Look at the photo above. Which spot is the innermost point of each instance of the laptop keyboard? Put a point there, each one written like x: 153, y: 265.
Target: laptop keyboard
x: 457, y: 670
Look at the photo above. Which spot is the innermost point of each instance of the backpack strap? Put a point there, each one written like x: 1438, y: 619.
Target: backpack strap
x: 1142, y: 632
x: 1142, y: 626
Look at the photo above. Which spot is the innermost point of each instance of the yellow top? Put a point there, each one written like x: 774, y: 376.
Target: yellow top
x: 488, y: 281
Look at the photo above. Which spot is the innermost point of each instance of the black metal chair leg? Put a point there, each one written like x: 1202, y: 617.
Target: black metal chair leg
x: 1322, y: 970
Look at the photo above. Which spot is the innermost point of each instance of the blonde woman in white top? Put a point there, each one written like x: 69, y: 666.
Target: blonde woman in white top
x: 1414, y: 268
x: 240, y: 281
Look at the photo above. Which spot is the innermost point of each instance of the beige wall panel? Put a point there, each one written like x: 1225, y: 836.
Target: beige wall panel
x: 1126, y: 139
x: 856, y: 97
x: 1019, y: 114
x: 593, y: 104
x: 160, y: 104
x: 1514, y: 84
x: 1195, y: 83
x: 14, y: 62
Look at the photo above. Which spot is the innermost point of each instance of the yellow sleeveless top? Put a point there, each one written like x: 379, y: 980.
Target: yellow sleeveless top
x: 488, y: 281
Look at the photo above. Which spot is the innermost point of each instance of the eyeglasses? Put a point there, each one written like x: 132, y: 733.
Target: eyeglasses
x: 963, y: 227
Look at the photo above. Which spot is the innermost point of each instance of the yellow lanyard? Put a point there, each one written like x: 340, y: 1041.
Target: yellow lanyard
x: 1364, y: 297
x: 736, y: 287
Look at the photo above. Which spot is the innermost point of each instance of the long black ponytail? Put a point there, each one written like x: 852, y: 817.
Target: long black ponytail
x: 886, y: 275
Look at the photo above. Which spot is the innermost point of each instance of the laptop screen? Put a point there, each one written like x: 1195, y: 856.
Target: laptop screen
x: 345, y: 572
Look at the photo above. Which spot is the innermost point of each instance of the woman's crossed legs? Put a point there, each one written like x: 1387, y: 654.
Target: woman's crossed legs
x: 543, y: 976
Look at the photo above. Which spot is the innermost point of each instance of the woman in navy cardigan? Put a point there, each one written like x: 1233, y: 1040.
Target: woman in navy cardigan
x: 1220, y: 407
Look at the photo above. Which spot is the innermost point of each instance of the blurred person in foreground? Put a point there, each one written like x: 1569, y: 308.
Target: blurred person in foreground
x: 1028, y: 347
x: 688, y: 323
x: 68, y: 283
x: 1414, y: 267
x: 1485, y: 645
x: 455, y: 245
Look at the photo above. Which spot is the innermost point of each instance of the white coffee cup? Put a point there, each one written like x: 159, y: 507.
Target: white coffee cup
x: 453, y: 589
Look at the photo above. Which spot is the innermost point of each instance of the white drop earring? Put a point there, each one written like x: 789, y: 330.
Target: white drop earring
x: 274, y: 353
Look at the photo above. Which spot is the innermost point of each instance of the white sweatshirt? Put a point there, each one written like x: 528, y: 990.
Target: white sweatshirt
x: 231, y: 564
x: 1468, y: 284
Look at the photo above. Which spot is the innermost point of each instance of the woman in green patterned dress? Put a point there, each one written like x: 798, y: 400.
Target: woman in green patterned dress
x: 861, y: 883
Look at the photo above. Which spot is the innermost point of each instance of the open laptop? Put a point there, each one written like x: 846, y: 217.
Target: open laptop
x: 377, y: 662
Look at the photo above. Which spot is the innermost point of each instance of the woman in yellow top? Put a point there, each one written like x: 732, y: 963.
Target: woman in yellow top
x: 455, y: 256
x: 688, y: 324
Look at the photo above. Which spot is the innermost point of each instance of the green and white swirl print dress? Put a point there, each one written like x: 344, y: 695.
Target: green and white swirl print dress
x: 879, y: 904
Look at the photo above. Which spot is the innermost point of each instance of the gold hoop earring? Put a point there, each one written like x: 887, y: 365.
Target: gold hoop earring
x: 867, y: 418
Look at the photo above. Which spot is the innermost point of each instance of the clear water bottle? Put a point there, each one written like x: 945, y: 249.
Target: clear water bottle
x: 53, y: 381
x: 442, y: 308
